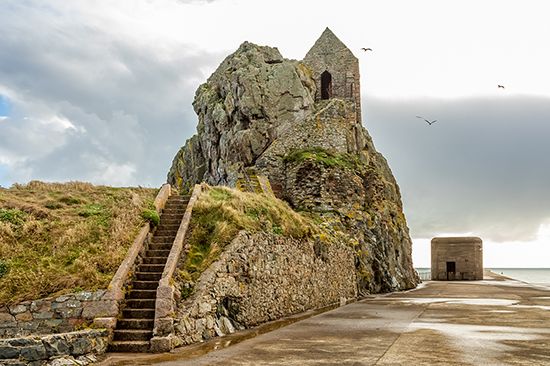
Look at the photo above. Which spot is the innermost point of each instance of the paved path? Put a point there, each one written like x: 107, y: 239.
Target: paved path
x: 491, y: 322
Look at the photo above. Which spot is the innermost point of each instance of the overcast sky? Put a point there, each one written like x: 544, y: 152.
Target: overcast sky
x: 101, y: 91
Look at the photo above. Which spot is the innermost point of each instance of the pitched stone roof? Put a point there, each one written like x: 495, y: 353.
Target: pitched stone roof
x: 328, y: 43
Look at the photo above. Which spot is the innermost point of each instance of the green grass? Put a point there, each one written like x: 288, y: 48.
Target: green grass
x: 152, y: 216
x: 219, y: 215
x: 323, y: 157
x: 57, y: 238
x: 12, y: 216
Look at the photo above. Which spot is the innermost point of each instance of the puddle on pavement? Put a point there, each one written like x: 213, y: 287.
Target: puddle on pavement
x: 196, y: 350
x: 459, y: 301
x: 469, y: 332
x: 541, y: 307
x: 501, y: 311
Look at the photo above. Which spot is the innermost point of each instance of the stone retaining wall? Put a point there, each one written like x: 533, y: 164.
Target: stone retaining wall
x: 64, y: 313
x: 54, y: 349
x: 263, y: 277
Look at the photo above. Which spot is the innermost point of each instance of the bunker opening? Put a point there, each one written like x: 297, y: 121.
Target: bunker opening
x: 451, y: 269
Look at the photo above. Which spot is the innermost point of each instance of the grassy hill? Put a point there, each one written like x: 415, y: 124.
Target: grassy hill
x: 57, y: 238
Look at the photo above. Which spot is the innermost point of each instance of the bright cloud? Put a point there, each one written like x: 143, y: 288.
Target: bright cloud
x: 510, y: 254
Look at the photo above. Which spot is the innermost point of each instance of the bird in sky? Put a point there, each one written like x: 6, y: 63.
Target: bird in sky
x: 500, y: 86
x: 427, y: 121
x: 366, y: 49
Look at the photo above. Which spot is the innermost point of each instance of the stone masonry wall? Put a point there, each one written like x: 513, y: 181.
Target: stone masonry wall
x: 64, y: 313
x: 263, y: 277
x: 332, y: 127
x: 55, y: 349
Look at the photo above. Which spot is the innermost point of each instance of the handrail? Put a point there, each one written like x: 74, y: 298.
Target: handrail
x: 165, y: 302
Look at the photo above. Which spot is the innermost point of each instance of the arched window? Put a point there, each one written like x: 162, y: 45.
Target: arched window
x: 326, y: 85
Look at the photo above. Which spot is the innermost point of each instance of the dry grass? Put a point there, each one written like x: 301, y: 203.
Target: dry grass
x: 221, y: 212
x: 62, y: 237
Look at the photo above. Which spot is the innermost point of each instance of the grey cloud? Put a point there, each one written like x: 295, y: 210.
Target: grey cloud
x: 482, y: 168
x: 129, y: 104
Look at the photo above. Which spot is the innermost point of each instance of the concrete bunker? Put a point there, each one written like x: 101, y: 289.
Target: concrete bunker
x: 457, y: 258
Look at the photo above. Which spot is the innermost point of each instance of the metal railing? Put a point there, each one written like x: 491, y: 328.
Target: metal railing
x: 424, y: 274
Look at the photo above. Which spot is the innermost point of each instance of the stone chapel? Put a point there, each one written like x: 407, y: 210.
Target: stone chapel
x: 335, y: 70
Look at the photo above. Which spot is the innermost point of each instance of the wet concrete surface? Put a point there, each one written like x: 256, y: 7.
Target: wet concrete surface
x: 492, y: 322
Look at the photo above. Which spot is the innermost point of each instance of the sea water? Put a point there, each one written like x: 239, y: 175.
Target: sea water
x: 536, y: 276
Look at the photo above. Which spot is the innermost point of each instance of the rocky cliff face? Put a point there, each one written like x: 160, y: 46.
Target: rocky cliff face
x: 243, y: 107
x: 258, y: 110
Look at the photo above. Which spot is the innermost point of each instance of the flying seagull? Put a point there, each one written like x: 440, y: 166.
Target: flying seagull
x: 366, y: 49
x: 428, y: 122
x: 500, y: 86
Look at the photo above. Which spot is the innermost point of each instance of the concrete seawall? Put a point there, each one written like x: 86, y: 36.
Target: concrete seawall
x: 497, y: 321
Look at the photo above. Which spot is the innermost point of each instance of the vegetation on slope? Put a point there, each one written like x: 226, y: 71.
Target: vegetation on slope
x: 221, y: 212
x: 323, y: 157
x: 57, y: 238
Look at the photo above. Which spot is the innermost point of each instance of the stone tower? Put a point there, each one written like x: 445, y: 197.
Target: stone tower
x: 335, y: 70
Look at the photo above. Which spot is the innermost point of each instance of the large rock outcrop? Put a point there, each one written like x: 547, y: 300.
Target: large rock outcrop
x: 259, y: 110
x: 247, y: 102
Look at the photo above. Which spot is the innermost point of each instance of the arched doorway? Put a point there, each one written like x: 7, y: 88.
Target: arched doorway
x: 326, y: 85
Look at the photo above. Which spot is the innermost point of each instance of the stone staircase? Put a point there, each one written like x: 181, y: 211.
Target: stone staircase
x: 248, y: 182
x: 135, y: 328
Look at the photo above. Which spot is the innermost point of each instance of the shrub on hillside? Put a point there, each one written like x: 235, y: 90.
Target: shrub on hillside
x: 151, y: 216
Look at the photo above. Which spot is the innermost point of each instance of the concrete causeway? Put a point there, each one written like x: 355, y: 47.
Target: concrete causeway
x: 496, y: 321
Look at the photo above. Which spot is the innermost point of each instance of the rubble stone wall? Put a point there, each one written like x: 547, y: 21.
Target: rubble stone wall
x: 262, y: 277
x: 64, y: 313
x: 53, y: 349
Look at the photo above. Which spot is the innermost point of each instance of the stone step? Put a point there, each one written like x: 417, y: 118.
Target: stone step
x: 140, y: 304
x: 148, y: 276
x: 132, y: 335
x: 168, y: 227
x: 157, y: 253
x: 142, y: 294
x: 157, y: 246
x: 166, y: 232
x: 175, y: 205
x: 162, y: 239
x: 174, y: 209
x: 129, y: 346
x: 151, y: 268
x: 145, y: 285
x: 172, y: 220
x: 154, y: 260
x: 139, y: 313
x: 174, y: 212
x: 178, y: 198
x: 170, y: 216
x: 145, y: 324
